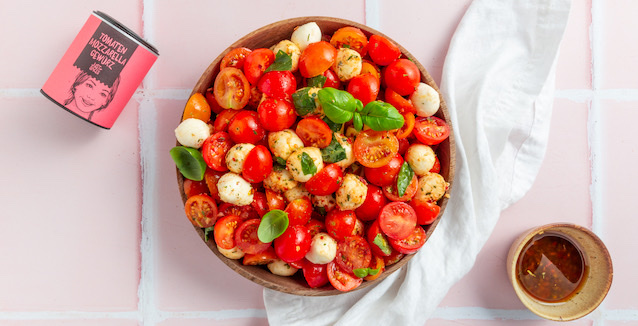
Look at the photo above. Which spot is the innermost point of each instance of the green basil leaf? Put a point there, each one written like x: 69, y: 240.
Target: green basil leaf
x: 382, y: 243
x: 189, y: 161
x: 280, y: 161
x: 357, y: 122
x: 360, y: 272
x: 404, y: 178
x: 381, y: 116
x: 338, y: 105
x: 373, y: 271
x: 208, y: 232
x: 307, y: 164
x: 317, y: 81
x: 304, y: 101
x: 334, y: 152
x: 335, y: 127
x: 272, y: 225
x: 282, y: 62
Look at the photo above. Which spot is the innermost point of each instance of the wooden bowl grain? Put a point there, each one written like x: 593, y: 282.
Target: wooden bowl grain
x: 265, y: 37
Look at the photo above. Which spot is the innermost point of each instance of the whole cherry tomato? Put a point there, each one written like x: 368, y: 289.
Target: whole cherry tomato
x: 276, y: 115
x: 326, y: 181
x: 223, y: 119
x: 340, y: 224
x: 375, y: 200
x: 386, y: 174
x: 293, y: 244
x: 364, y: 87
x: 245, y: 127
x: 316, y: 58
x: 197, y: 107
x: 402, y: 76
x: 278, y: 84
x: 382, y: 51
x: 426, y: 211
x: 192, y: 187
x: 256, y: 62
x: 299, y: 211
x: 257, y: 165
x: 315, y: 275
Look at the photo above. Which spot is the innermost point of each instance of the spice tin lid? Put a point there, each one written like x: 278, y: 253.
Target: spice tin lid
x: 127, y: 30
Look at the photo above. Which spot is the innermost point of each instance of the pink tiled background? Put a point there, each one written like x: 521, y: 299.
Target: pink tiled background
x: 92, y: 230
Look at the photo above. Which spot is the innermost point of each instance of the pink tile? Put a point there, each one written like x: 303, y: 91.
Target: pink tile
x: 189, y: 276
x: 44, y: 31
x: 618, y: 199
x: 71, y: 322
x: 472, y: 322
x: 559, y: 194
x: 619, y: 44
x: 217, y: 322
x: 70, y: 229
x: 190, y: 46
x: 573, y: 70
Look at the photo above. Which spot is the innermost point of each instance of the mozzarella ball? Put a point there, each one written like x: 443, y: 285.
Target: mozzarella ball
x: 283, y: 143
x: 237, y: 155
x: 306, y: 34
x: 235, y: 190
x: 347, y: 64
x: 421, y: 158
x: 280, y: 180
x: 352, y: 192
x: 346, y: 143
x: 297, y: 192
x: 327, y: 202
x: 281, y: 268
x: 323, y: 249
x: 192, y: 132
x: 425, y: 100
x: 294, y: 166
x: 234, y: 253
x: 432, y: 187
x: 291, y: 49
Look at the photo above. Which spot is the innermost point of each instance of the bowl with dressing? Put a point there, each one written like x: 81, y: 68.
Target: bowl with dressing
x: 560, y: 271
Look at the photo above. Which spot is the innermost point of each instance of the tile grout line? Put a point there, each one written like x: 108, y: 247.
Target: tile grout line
x: 371, y: 13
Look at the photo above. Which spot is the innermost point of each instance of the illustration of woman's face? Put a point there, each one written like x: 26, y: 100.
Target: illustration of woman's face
x: 90, y: 96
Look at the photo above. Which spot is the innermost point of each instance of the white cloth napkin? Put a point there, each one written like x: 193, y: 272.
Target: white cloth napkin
x: 498, y: 82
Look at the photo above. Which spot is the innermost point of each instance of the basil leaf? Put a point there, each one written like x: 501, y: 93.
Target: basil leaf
x: 208, y: 232
x: 317, y: 81
x: 307, y: 164
x: 382, y: 243
x: 380, y: 116
x: 404, y: 178
x: 304, y: 101
x: 282, y: 62
x: 272, y: 225
x: 335, y: 127
x: 280, y: 161
x: 334, y: 152
x: 373, y: 271
x: 360, y: 272
x: 357, y: 122
x: 189, y: 161
x: 338, y: 105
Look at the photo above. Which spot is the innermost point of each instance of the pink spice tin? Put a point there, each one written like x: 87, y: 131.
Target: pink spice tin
x: 99, y: 73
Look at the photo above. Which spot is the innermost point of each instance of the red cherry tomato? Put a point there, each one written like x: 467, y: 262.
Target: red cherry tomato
x: 315, y: 275
x: 340, y: 279
x: 224, y: 231
x: 246, y: 237
x: 316, y: 58
x: 211, y: 177
x: 437, y: 165
x: 246, y: 128
x: 276, y: 115
x: 402, y: 76
x: 412, y: 243
x: 262, y: 258
x: 231, y: 89
x: 426, y: 211
x: 375, y: 200
x: 375, y: 148
x: 275, y: 200
x: 386, y: 174
x: 394, y: 258
x: 258, y: 164
x: 378, y: 241
x: 244, y: 212
x: 293, y: 244
x: 392, y: 193
x: 260, y: 203
x: 315, y: 226
x: 201, y: 210
x: 299, y: 211
x: 314, y: 132
x: 256, y: 62
x: 332, y: 80
x: 214, y: 150
x: 399, y: 102
x: 278, y: 84
x: 212, y: 102
x: 397, y: 220
x: 350, y: 37
x: 235, y: 58
x: 364, y: 87
x: 223, y: 119
x: 353, y: 252
x: 403, y: 145
x: 382, y: 51
x: 192, y: 188
x: 326, y: 181
x: 340, y: 224
x: 431, y: 130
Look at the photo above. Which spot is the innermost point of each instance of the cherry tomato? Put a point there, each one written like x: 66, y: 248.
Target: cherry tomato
x: 340, y: 224
x: 258, y: 164
x: 391, y: 191
x: 403, y: 145
x: 375, y: 200
x: 245, y: 127
x: 397, y: 220
x: 201, y: 210
x: 382, y: 51
x: 340, y: 279
x: 408, y: 125
x: 375, y: 148
x: 224, y: 231
x: 437, y: 165
x: 223, y: 119
x: 399, y: 102
x: 315, y: 226
x: 402, y: 76
x: 212, y: 102
x: 431, y: 130
x: 394, y: 258
x: 314, y: 132
x: 386, y: 174
x: 332, y: 80
x: 299, y: 211
x: 426, y: 211
x: 353, y: 252
x: 197, y: 107
x: 378, y: 264
x: 231, y: 89
x: 262, y: 258
x: 244, y: 212
x: 368, y: 67
x: 316, y: 58
x: 378, y: 241
x: 315, y: 275
x: 255, y: 97
x: 246, y: 237
x: 256, y: 62
x: 293, y: 244
x: 214, y: 150
x: 299, y: 264
x: 412, y: 243
x: 326, y: 181
x: 364, y: 87
x: 350, y: 37
x: 275, y: 200
x: 235, y: 58
x: 278, y: 84
x: 276, y: 115
x: 211, y: 177
x: 192, y: 188
x: 260, y: 203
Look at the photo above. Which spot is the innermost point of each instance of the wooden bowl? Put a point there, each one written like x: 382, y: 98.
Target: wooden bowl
x: 265, y: 37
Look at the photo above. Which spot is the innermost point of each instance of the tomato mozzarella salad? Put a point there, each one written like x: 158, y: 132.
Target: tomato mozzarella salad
x: 316, y: 156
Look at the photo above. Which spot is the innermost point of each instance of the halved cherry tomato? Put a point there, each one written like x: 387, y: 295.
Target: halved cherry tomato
x: 224, y: 231
x: 315, y: 275
x: 316, y: 58
x: 392, y: 193
x: 340, y: 224
x: 235, y: 58
x: 212, y: 102
x: 402, y: 76
x: 375, y: 148
x: 223, y: 119
x: 260, y: 203
x: 257, y: 165
x: 397, y: 220
x: 378, y: 264
x: 192, y: 188
x: 246, y: 237
x: 382, y: 51
x: 256, y: 62
x: 394, y: 258
x: 386, y: 174
x: 326, y: 181
x: 408, y: 125
x: 244, y: 212
x: 399, y: 102
x: 214, y: 151
x: 201, y: 210
x: 375, y: 200
x: 197, y: 107
x: 368, y: 67
x: 364, y: 87
x: 275, y: 200
x: 293, y: 244
x: 276, y: 115
x: 412, y: 243
x: 378, y: 241
x: 314, y: 132
x: 299, y: 211
x: 353, y: 252
x: 350, y: 37
x: 437, y: 165
x: 315, y: 226
x: 340, y: 279
x: 431, y: 130
x: 211, y: 177
x: 245, y: 127
x: 278, y: 84
x: 262, y: 258
x: 231, y: 89
x: 426, y: 211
